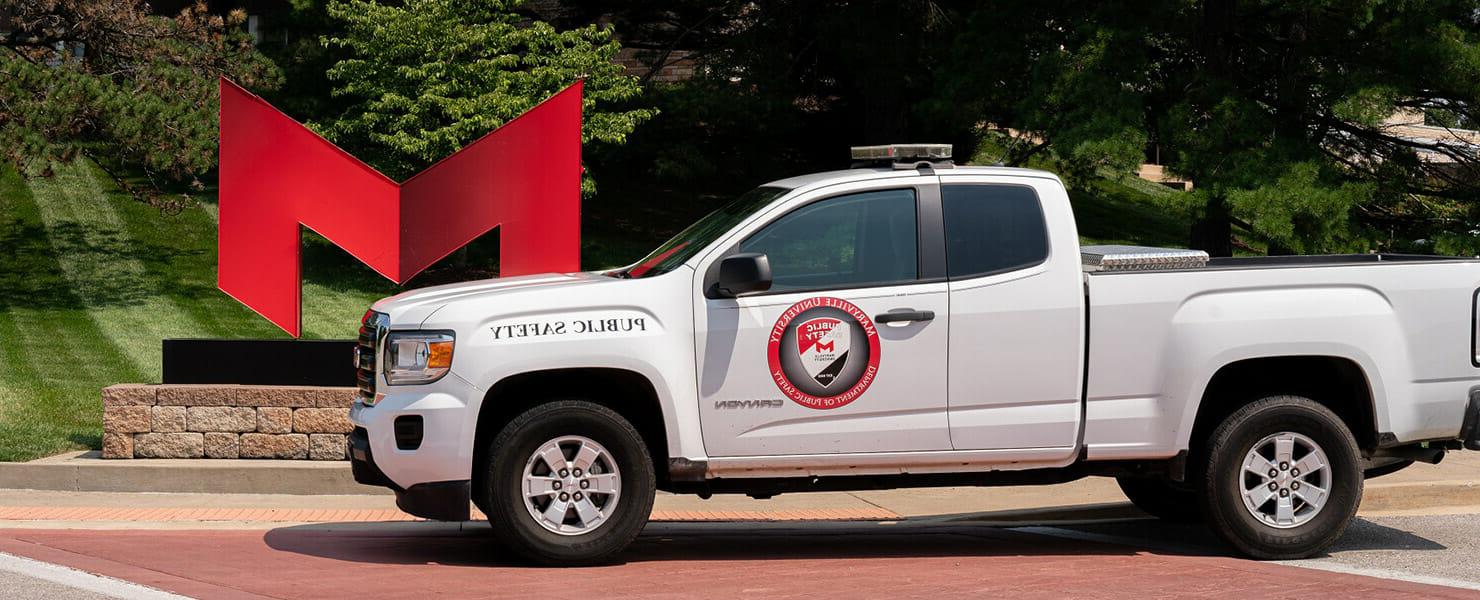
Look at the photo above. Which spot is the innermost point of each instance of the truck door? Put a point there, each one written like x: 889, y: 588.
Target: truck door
x: 1017, y: 313
x: 846, y: 351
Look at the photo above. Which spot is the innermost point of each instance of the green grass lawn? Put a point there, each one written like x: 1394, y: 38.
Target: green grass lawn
x: 91, y: 280
x: 1128, y: 210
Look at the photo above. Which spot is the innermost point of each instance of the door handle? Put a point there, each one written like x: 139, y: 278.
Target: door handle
x: 905, y: 316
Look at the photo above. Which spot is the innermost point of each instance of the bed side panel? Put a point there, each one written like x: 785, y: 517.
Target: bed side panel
x: 1156, y: 339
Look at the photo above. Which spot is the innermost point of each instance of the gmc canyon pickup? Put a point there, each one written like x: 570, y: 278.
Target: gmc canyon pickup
x: 913, y: 323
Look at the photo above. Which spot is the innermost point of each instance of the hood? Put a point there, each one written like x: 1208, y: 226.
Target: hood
x: 414, y: 306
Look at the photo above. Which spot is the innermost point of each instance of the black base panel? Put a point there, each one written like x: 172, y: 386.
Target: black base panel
x: 260, y: 362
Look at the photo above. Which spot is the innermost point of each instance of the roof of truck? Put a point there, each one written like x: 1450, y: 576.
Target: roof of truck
x: 867, y: 173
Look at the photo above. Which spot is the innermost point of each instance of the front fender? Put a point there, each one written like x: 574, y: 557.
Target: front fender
x: 680, y: 419
x: 644, y: 326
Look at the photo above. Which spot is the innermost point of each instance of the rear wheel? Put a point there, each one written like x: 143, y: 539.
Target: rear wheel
x: 569, y: 483
x: 1284, y: 478
x: 1161, y: 497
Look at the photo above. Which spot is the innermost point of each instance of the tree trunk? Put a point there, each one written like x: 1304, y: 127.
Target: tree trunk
x: 1213, y: 233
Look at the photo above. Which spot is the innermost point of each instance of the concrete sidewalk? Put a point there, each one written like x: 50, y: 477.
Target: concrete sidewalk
x: 1449, y: 488
x: 88, y: 472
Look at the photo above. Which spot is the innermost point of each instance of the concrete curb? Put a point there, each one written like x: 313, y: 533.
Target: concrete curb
x: 1419, y: 494
x: 86, y: 472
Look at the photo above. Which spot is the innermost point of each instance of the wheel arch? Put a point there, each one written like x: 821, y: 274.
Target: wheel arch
x: 1337, y: 382
x: 628, y: 393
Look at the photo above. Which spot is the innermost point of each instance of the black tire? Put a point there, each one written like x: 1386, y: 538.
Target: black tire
x: 503, y: 496
x: 1224, y: 481
x: 1162, y: 498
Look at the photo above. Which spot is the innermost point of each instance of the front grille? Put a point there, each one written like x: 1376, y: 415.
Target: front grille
x: 372, y: 329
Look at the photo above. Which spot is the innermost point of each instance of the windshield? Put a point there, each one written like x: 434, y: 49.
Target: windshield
x: 683, y: 246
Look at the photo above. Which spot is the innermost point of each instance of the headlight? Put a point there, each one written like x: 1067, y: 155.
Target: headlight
x: 417, y: 356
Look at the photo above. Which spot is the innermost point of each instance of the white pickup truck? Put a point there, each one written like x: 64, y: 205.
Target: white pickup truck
x: 913, y: 323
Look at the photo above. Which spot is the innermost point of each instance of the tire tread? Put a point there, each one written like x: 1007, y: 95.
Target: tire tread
x: 1224, y: 513
x: 611, y: 538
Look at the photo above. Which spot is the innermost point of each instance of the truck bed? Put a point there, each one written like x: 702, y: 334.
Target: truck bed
x: 1198, y: 261
x: 1329, y: 260
x: 1156, y: 337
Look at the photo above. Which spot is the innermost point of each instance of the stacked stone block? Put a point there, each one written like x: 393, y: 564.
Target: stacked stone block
x: 226, y: 421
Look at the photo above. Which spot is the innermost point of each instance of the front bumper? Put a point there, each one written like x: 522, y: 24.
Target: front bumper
x: 439, y: 500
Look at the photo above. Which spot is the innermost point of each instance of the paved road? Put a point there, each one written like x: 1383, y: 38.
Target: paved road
x: 1441, y: 546
x: 25, y: 579
x: 1410, y: 541
x: 18, y: 586
x: 918, y: 558
x: 1438, y: 548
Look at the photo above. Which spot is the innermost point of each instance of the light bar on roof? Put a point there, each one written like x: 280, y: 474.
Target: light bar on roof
x: 902, y: 152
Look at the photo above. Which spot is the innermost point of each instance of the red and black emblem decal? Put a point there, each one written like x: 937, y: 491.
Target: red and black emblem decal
x: 823, y: 352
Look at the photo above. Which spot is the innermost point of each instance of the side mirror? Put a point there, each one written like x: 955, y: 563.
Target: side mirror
x: 744, y: 273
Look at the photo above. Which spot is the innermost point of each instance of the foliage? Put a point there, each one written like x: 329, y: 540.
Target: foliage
x: 424, y: 78
x: 1278, y: 111
x: 1301, y: 213
x: 295, y: 44
x: 109, y: 80
x: 1274, y: 109
x: 780, y: 86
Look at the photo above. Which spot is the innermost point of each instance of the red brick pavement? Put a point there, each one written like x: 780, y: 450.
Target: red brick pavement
x: 857, y: 560
x: 300, y: 515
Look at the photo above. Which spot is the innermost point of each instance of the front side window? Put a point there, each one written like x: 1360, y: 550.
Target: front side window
x: 992, y: 229
x: 696, y: 237
x: 857, y: 240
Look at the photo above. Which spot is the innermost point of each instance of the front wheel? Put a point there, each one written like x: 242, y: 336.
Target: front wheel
x: 1284, y: 478
x: 568, y: 483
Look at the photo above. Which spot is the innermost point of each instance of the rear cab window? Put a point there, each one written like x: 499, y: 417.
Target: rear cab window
x: 992, y: 228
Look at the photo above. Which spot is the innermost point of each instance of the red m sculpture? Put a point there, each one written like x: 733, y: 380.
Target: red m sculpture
x: 275, y: 175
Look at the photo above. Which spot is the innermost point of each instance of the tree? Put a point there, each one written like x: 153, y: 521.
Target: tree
x: 295, y: 45
x: 424, y: 78
x: 108, y: 80
x: 1274, y: 109
x: 782, y: 86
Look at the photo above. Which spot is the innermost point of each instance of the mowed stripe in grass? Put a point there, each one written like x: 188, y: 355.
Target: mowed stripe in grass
x: 104, y: 266
x: 91, y: 280
x: 48, y: 392
x: 53, y: 354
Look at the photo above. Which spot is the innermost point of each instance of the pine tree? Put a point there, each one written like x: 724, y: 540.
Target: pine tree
x: 109, y: 80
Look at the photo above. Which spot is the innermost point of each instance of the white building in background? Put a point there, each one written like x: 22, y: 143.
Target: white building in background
x: 1410, y: 124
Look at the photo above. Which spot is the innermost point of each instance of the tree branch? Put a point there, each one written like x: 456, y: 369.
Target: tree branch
x: 1017, y: 158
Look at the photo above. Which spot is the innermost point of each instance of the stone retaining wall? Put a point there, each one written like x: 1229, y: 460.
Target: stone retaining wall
x: 226, y: 421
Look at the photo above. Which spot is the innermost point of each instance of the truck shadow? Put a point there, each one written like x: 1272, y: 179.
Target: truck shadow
x: 473, y: 544
x: 1194, y: 538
